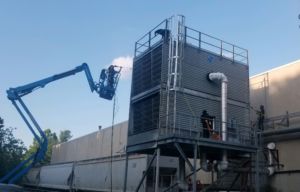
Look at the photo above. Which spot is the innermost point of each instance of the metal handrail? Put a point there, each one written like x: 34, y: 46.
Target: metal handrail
x: 147, y: 39
x: 199, y: 38
x: 281, y: 121
x: 191, y: 126
x: 237, y: 54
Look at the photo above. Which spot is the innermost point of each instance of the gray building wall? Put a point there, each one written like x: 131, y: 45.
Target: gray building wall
x: 276, y: 89
x: 92, y: 146
x: 85, y: 164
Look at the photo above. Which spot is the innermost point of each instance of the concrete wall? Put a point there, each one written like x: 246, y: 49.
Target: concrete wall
x: 289, y: 155
x: 277, y: 90
x: 92, y: 175
x: 92, y: 146
x: 88, y: 157
x: 287, y: 178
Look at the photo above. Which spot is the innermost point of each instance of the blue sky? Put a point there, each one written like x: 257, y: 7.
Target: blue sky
x: 42, y: 38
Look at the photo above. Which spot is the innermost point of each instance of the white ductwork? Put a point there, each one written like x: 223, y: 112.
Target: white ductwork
x: 271, y: 168
x: 204, y: 165
x: 217, y: 76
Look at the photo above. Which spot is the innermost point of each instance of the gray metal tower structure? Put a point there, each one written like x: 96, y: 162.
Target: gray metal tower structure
x: 190, y: 99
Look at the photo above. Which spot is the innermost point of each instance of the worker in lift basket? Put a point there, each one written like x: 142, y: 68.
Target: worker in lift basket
x: 207, y: 124
x: 111, y: 76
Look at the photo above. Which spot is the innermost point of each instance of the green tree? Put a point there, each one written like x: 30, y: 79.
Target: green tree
x: 64, y: 136
x: 11, y: 149
x: 52, y: 140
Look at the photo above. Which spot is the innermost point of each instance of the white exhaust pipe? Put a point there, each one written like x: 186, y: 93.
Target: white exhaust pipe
x: 271, y: 168
x: 222, y: 77
x: 204, y: 164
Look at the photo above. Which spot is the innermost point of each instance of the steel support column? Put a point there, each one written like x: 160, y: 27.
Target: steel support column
x: 157, y: 170
x: 257, y: 182
x: 125, y: 174
x: 183, y: 155
x: 194, y: 168
x: 146, y: 172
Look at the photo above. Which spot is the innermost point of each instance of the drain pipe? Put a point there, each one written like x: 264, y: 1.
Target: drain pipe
x: 222, y: 77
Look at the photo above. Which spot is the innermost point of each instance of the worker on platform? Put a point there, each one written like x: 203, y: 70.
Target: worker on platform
x: 261, y: 117
x: 207, y: 124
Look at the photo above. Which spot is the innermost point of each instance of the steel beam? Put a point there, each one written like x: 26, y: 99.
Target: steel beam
x: 146, y: 172
x: 183, y: 155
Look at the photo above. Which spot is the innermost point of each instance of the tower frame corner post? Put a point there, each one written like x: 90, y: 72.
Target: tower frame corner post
x: 126, y: 172
x: 195, y: 168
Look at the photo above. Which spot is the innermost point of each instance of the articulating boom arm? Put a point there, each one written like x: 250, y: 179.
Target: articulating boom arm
x: 105, y: 88
x: 15, y: 93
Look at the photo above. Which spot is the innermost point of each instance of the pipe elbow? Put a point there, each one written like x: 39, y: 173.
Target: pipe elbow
x: 205, y: 167
x: 271, y: 146
x: 271, y: 171
x: 217, y: 76
x: 222, y: 165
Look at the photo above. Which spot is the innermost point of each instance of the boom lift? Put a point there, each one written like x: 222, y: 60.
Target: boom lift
x: 105, y: 88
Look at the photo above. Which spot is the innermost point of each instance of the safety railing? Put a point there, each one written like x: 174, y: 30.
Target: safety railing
x: 197, y: 39
x: 149, y: 39
x: 287, y: 120
x: 216, y: 45
x: 191, y: 127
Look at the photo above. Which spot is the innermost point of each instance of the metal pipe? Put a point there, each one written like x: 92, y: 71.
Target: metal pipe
x: 271, y: 168
x: 203, y: 163
x: 222, y: 77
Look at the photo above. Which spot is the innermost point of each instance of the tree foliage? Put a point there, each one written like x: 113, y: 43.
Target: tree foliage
x: 64, y: 136
x: 11, y: 149
x: 52, y: 140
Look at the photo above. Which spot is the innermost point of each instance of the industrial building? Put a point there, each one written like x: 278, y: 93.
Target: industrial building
x: 278, y: 91
x: 85, y: 163
x: 189, y: 113
x: 193, y: 124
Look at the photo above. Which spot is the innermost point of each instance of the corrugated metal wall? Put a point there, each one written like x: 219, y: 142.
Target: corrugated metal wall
x: 198, y: 63
x: 205, y: 95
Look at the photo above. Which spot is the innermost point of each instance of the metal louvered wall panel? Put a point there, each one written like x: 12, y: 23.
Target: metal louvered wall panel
x: 147, y: 71
x: 147, y: 74
x: 148, y: 113
x: 198, y: 63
